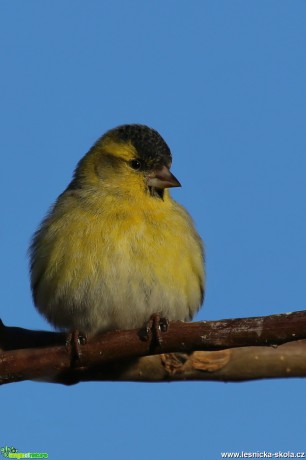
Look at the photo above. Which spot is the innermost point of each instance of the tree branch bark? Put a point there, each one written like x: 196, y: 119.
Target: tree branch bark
x: 206, y: 350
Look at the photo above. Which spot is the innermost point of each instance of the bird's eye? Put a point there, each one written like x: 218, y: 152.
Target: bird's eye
x: 135, y: 164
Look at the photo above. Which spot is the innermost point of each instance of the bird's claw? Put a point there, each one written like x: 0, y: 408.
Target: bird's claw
x: 74, y: 341
x: 154, y: 327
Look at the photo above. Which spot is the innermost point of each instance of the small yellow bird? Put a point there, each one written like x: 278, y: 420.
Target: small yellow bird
x: 116, y: 248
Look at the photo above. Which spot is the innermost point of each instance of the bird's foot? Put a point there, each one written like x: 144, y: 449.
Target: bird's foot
x: 74, y: 341
x: 156, y: 325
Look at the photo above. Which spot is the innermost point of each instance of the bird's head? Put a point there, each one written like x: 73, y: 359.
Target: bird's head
x: 128, y: 159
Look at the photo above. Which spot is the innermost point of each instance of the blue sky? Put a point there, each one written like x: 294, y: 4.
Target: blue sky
x: 224, y: 83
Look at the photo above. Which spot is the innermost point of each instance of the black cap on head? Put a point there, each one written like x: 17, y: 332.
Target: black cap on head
x: 148, y: 142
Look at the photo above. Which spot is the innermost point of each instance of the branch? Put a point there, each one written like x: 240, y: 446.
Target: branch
x: 189, y: 351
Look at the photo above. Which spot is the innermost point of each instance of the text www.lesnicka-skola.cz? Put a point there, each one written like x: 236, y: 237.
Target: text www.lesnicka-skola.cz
x: 263, y: 454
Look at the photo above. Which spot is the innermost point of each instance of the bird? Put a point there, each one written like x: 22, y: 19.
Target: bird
x: 115, y: 248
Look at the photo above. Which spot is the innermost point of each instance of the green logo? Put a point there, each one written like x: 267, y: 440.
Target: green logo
x: 11, y: 452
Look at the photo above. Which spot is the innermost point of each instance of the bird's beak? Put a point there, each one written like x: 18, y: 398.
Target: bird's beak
x: 162, y: 178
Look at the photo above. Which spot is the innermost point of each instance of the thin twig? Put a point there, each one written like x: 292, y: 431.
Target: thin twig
x: 28, y: 355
